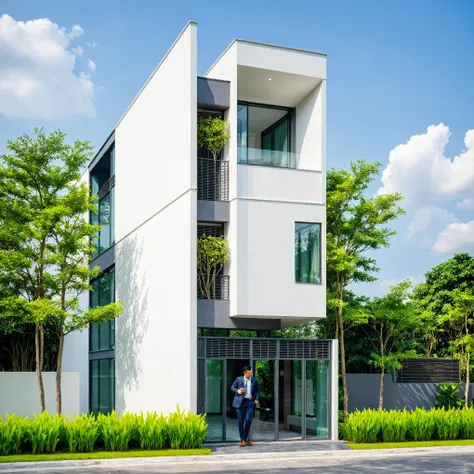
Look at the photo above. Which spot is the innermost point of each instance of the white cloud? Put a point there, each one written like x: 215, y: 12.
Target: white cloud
x: 455, y: 237
x: 37, y: 77
x: 76, y: 31
x: 92, y: 44
x: 429, y: 215
x: 421, y: 172
x: 91, y: 65
x: 466, y: 204
x: 78, y: 50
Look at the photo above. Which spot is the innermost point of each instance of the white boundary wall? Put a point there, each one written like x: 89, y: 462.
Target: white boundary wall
x: 19, y: 393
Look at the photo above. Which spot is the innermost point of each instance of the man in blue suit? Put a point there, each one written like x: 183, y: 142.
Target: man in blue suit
x: 247, y: 395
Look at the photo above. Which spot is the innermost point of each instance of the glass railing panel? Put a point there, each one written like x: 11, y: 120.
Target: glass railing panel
x: 257, y: 156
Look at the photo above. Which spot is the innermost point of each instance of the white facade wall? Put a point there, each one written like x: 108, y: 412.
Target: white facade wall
x: 155, y: 254
x: 19, y: 393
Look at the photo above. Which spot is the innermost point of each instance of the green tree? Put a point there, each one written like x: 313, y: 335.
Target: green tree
x: 435, y: 295
x: 212, y: 134
x: 41, y: 263
x: 459, y: 319
x: 355, y: 225
x: 71, y: 253
x: 394, y: 320
x: 212, y: 255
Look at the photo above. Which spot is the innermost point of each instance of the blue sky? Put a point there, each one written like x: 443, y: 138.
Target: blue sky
x: 395, y: 68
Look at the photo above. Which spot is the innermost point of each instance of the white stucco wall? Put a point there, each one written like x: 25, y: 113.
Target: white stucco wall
x: 19, y: 393
x: 155, y: 254
x: 266, y: 284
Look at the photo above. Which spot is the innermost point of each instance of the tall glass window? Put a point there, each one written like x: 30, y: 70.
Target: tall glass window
x: 317, y: 398
x: 102, y: 185
x: 102, y: 336
x: 102, y: 386
x: 307, y: 253
x: 264, y: 136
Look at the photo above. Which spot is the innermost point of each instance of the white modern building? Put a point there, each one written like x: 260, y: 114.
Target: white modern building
x: 158, y: 193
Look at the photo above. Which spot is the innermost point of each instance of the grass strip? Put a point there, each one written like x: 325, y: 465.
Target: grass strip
x: 103, y: 455
x: 412, y: 444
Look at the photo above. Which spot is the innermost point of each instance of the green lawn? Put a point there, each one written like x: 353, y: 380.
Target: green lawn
x: 103, y: 455
x: 412, y: 444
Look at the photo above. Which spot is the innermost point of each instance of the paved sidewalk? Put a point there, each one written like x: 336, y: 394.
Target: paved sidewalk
x: 459, y: 459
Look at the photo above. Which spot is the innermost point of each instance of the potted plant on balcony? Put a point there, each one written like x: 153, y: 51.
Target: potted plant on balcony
x: 212, y: 134
x: 212, y: 255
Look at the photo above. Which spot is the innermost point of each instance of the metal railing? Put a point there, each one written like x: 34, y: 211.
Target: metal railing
x: 213, y: 288
x: 213, y: 179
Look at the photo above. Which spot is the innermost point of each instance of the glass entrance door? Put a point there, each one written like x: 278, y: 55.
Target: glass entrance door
x: 264, y: 426
x: 234, y: 369
x: 290, y: 399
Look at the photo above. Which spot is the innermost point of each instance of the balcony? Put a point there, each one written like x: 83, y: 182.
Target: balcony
x: 213, y: 190
x: 213, y: 180
x: 213, y: 305
x: 257, y: 156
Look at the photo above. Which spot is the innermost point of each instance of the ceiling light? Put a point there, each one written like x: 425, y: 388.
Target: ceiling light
x: 269, y: 78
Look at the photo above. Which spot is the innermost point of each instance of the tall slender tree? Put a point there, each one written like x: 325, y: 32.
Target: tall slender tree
x: 356, y: 224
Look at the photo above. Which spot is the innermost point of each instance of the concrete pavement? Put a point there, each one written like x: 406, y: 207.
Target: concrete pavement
x: 457, y: 460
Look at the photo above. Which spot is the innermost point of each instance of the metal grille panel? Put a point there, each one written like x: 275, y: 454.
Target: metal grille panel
x: 219, y: 288
x: 429, y: 371
x: 216, y: 230
x: 213, y: 180
x: 264, y: 348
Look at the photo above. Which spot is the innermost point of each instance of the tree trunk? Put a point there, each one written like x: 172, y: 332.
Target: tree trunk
x: 343, y: 362
x: 382, y: 377
x: 58, y: 373
x: 336, y: 325
x: 39, y: 365
x: 466, y: 390
x: 382, y: 372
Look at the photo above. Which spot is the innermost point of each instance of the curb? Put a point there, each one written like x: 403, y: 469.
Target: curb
x: 232, y: 458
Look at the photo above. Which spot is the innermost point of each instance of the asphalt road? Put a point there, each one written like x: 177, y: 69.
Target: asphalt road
x: 394, y: 464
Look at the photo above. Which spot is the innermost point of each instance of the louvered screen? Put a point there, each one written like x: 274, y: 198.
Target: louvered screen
x: 429, y: 371
x: 216, y: 230
x: 262, y: 348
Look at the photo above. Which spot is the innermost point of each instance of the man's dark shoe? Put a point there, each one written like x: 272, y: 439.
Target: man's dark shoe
x: 250, y: 443
x: 242, y: 444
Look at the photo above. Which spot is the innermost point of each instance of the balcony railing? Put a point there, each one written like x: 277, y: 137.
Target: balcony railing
x: 215, y: 288
x: 213, y: 180
x: 257, y: 156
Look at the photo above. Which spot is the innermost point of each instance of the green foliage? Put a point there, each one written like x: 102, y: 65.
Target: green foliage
x: 151, y: 431
x: 213, y: 134
x: 116, y: 432
x: 85, y: 433
x: 394, y: 426
x: 447, y: 397
x: 12, y: 434
x: 371, y: 426
x: 212, y: 255
x: 81, y: 433
x: 186, y: 430
x: 44, y: 433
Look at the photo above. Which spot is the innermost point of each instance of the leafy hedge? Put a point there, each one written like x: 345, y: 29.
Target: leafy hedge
x: 45, y: 434
x: 372, y: 426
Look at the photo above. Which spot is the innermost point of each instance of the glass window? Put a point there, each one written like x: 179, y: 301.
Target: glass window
x: 104, y: 220
x: 102, y: 336
x: 263, y: 136
x: 317, y: 399
x: 102, y: 386
x: 307, y: 253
